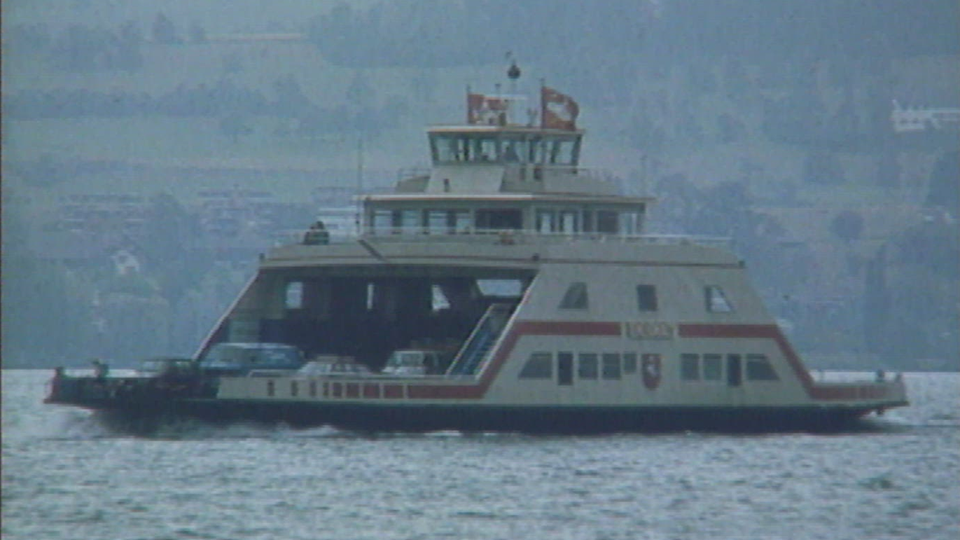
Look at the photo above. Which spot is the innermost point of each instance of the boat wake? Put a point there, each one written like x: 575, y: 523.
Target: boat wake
x: 80, y: 425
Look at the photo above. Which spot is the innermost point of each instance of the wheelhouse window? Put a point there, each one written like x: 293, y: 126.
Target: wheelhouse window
x: 538, y: 366
x: 716, y: 300
x: 486, y: 149
x: 760, y: 369
x: 563, y: 151
x: 575, y: 297
x: 516, y: 150
x: 646, y: 298
x: 459, y: 148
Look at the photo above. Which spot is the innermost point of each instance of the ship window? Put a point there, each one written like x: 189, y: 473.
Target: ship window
x: 535, y: 150
x: 539, y: 366
x: 587, y: 366
x: 446, y: 148
x: 588, y: 221
x: 646, y: 298
x: 561, y: 152
x: 569, y: 221
x: 734, y: 374
x: 294, y: 389
x: 690, y: 367
x: 460, y: 221
x: 512, y: 150
x: 759, y: 368
x: 293, y: 298
x: 438, y: 300
x: 606, y: 221
x: 485, y: 149
x: 565, y: 368
x: 575, y: 297
x: 546, y: 221
x: 631, y: 222
x: 629, y: 362
x: 438, y: 221
x: 503, y: 288
x: 611, y: 366
x: 717, y: 301
x: 382, y: 220
x: 712, y: 367
x: 410, y: 221
x: 510, y: 218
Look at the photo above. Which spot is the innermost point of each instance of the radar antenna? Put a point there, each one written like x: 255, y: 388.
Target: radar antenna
x: 513, y: 72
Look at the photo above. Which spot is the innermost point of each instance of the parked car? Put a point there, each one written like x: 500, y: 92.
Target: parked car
x: 232, y: 358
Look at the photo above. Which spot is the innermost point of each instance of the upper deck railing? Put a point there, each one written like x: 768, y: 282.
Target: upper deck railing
x: 508, y: 237
x: 520, y: 178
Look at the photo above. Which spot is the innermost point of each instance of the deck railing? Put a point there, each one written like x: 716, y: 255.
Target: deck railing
x: 509, y: 236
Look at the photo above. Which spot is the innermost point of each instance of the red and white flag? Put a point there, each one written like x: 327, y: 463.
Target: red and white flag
x: 482, y: 109
x: 559, y: 111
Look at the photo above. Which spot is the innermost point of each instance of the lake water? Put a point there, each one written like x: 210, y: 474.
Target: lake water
x: 67, y: 477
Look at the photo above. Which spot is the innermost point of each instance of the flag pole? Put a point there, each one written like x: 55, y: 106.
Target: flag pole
x: 543, y: 106
x: 468, y: 103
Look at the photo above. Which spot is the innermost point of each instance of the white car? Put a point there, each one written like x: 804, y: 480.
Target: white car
x: 415, y: 362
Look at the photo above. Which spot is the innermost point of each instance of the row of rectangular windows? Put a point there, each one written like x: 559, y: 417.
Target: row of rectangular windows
x: 590, y: 366
x: 715, y: 300
x: 611, y: 366
x: 709, y: 367
x: 545, y: 220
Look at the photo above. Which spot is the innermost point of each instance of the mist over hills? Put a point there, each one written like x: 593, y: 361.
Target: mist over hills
x: 769, y: 122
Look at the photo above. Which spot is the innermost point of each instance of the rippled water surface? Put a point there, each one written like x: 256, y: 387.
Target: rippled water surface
x: 66, y: 477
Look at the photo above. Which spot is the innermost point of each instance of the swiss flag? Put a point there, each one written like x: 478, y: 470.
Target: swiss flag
x: 559, y: 110
x: 482, y: 109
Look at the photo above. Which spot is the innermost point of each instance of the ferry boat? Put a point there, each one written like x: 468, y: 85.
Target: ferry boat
x: 505, y: 288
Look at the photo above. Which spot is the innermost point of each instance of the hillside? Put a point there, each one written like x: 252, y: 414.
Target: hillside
x: 762, y: 121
